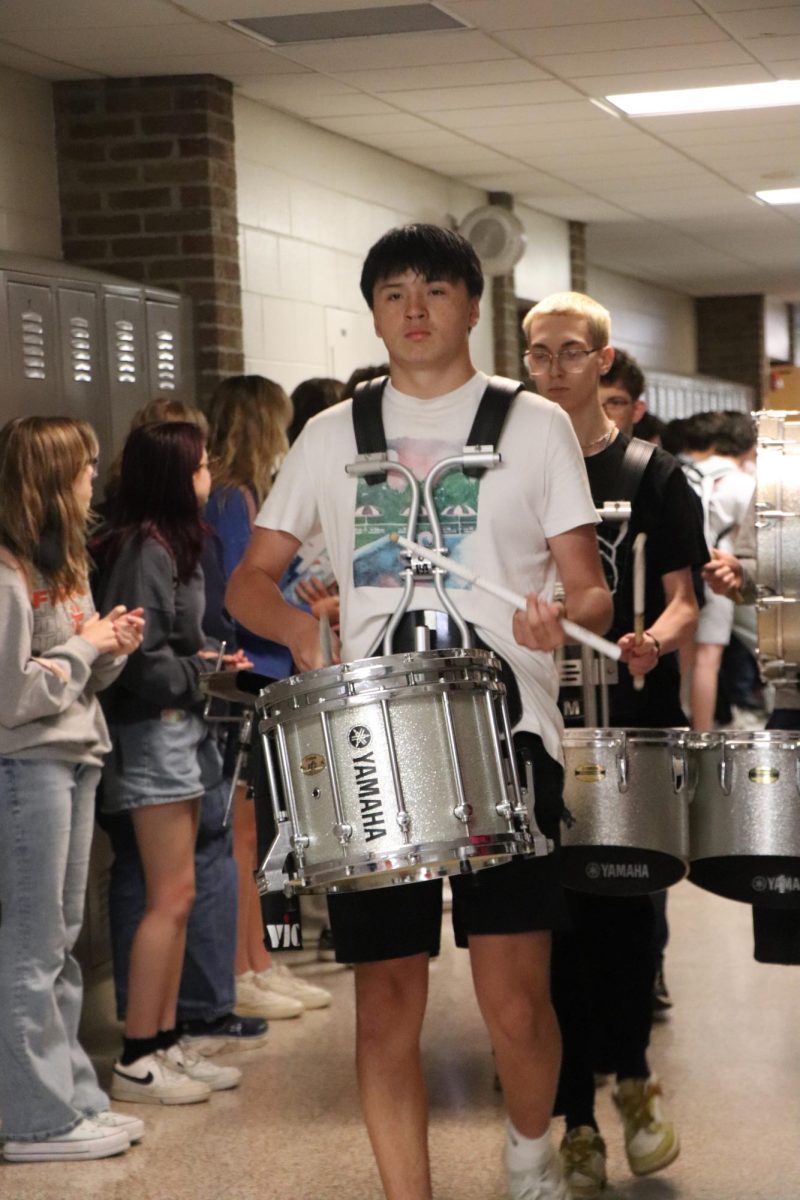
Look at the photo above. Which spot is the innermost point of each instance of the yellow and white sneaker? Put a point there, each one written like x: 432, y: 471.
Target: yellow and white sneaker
x: 651, y: 1143
x: 583, y: 1161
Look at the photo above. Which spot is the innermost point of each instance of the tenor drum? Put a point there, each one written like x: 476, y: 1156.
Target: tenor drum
x: 392, y: 770
x: 626, y: 794
x: 745, y: 815
x: 778, y: 540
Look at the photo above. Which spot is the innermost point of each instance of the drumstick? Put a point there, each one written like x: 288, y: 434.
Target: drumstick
x: 325, y: 643
x: 638, y: 598
x: 576, y: 632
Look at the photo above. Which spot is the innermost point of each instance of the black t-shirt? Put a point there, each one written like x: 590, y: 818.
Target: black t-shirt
x: 664, y: 508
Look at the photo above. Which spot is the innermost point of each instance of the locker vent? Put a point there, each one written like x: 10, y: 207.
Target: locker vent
x: 33, y: 345
x: 80, y: 349
x: 126, y: 352
x: 165, y: 360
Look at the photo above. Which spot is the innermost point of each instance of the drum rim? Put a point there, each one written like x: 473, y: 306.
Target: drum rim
x: 789, y: 738
x: 612, y: 735
x: 378, y: 667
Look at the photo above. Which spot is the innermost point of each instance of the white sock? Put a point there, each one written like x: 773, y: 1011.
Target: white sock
x: 524, y: 1153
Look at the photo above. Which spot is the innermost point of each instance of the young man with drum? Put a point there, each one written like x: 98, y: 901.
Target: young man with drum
x: 604, y: 967
x: 525, y: 521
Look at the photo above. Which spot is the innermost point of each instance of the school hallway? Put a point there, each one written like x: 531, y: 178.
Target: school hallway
x: 729, y: 1059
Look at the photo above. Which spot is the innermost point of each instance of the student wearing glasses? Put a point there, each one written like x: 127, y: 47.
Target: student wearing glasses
x: 604, y: 965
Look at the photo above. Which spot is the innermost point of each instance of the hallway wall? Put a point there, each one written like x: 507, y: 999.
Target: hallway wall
x: 29, y: 213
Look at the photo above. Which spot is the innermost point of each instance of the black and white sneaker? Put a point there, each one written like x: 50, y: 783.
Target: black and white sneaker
x: 154, y: 1079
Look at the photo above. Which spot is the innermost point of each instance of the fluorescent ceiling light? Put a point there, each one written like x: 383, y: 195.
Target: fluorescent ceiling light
x: 781, y: 195
x: 777, y: 94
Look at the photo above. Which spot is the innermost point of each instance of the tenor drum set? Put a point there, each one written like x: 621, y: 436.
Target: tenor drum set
x: 400, y: 767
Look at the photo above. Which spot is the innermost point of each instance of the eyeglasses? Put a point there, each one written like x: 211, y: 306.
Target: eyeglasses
x: 571, y: 359
x: 617, y: 402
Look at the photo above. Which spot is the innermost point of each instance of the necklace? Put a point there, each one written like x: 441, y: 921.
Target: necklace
x: 600, y: 441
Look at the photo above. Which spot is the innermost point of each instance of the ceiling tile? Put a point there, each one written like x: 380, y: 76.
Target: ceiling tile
x: 762, y: 22
x: 445, y: 75
x: 361, y: 127
x: 228, y: 10
x: 495, y: 96
x: 88, y: 14
x: 39, y: 65
x: 623, y: 35
x: 73, y: 43
x: 542, y: 14
x: 523, y: 114
x: 404, y: 50
x: 623, y: 62
x: 773, y: 49
x: 580, y: 208
x: 650, y: 81
x: 229, y: 66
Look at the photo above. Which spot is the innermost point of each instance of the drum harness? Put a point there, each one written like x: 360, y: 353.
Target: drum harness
x: 446, y: 625
x: 592, y: 673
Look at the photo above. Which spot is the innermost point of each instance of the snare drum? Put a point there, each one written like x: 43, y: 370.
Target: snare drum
x: 778, y: 540
x: 626, y: 793
x: 745, y: 815
x: 392, y: 770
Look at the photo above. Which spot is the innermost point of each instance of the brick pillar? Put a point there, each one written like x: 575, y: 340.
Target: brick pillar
x: 730, y: 339
x: 148, y: 191
x: 505, y: 316
x: 577, y: 256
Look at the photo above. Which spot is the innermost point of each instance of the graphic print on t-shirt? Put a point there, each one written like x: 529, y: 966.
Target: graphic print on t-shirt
x: 383, y: 509
x: 613, y: 552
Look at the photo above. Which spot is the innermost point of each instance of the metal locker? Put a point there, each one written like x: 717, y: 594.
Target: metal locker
x: 126, y: 349
x: 164, y: 348
x: 79, y: 347
x: 33, y: 367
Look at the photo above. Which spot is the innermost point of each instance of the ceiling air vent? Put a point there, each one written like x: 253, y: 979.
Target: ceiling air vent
x: 349, y: 23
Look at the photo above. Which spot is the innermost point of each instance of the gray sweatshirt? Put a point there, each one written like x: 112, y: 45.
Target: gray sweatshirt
x: 49, y: 674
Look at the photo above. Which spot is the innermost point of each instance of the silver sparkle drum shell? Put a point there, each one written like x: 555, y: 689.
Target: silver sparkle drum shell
x: 627, y: 798
x: 377, y: 733
x: 745, y: 815
x: 778, y: 539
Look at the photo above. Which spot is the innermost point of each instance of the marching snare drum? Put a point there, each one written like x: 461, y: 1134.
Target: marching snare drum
x: 778, y: 540
x: 391, y: 770
x: 745, y: 815
x: 627, y: 796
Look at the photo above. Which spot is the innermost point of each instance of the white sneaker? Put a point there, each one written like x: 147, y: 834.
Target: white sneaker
x: 253, y: 1000
x: 88, y: 1139
x: 279, y: 980
x: 153, y: 1079
x: 187, y: 1061
x: 545, y: 1182
x: 133, y: 1126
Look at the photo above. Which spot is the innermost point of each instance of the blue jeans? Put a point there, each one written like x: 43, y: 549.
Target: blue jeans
x: 207, y: 984
x: 47, y: 1083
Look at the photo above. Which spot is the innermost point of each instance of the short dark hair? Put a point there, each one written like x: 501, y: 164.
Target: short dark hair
x: 702, y: 430
x: 625, y: 371
x: 650, y: 426
x: 673, y: 435
x: 429, y: 251
x: 737, y: 434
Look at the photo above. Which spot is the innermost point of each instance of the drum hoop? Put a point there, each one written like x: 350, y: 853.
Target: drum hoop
x: 613, y: 737
x: 312, y: 708
x: 785, y: 738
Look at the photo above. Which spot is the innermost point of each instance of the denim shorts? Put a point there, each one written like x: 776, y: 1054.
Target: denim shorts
x: 153, y: 761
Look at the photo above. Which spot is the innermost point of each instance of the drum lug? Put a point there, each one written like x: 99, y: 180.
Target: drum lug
x: 299, y: 843
x: 343, y: 832
x: 462, y: 812
x: 404, y: 821
x: 725, y: 772
x: 504, y: 810
x: 680, y: 769
x: 622, y: 764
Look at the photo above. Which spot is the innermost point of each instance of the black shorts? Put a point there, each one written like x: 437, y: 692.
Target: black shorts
x: 523, y: 896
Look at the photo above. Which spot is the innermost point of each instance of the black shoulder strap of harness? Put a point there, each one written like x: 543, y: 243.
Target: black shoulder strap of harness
x: 368, y: 421
x: 486, y: 428
x: 491, y: 417
x: 634, y: 464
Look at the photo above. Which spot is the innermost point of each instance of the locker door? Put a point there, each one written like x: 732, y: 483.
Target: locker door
x: 78, y: 334
x: 128, y: 385
x: 34, y: 382
x: 164, y: 348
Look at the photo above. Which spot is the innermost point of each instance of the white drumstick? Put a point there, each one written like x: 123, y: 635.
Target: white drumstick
x: 638, y: 598
x: 576, y: 632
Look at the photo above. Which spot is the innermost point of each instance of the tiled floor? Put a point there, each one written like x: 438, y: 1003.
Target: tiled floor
x: 729, y: 1058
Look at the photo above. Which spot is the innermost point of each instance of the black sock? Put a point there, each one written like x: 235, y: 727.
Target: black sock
x: 167, y: 1038
x: 134, y: 1048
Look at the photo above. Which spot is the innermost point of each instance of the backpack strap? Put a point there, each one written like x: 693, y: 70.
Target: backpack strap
x: 634, y: 464
x: 490, y: 418
x: 368, y: 423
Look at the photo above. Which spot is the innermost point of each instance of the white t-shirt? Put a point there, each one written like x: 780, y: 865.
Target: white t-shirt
x: 498, y: 526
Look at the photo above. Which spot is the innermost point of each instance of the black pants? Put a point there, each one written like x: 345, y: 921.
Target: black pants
x: 602, y: 982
